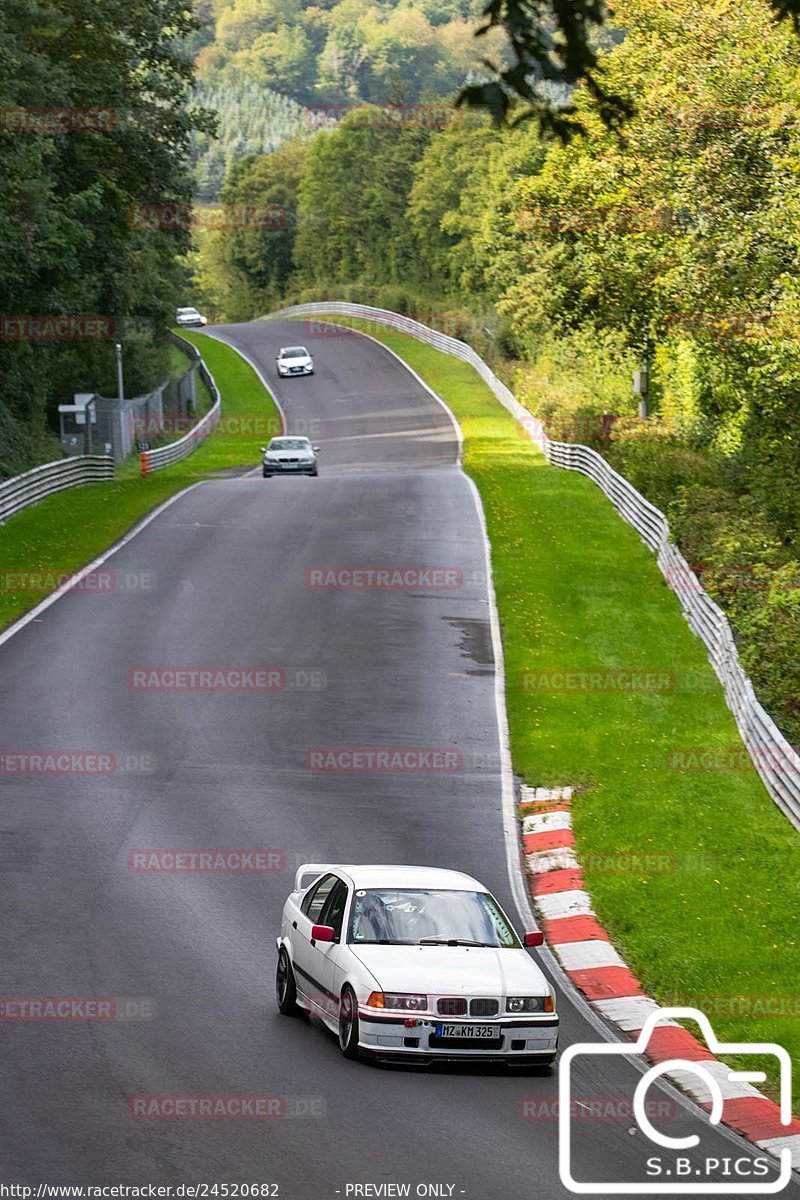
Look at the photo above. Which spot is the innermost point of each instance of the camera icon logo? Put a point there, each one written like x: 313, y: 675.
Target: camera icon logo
x: 710, y: 1082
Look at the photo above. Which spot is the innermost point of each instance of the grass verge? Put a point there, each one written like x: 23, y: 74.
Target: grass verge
x: 715, y: 925
x: 57, y: 537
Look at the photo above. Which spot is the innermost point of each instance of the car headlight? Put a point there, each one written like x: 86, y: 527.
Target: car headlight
x: 405, y: 1001
x: 530, y: 1004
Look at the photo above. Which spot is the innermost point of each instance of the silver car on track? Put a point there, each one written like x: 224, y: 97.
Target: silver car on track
x: 289, y: 456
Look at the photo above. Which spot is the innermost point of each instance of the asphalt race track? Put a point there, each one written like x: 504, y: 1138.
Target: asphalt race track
x: 225, y: 584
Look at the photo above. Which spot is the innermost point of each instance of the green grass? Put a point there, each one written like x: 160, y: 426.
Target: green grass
x: 577, y: 590
x: 67, y: 530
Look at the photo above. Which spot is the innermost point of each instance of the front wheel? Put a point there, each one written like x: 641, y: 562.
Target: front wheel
x: 285, y: 988
x: 348, y: 1023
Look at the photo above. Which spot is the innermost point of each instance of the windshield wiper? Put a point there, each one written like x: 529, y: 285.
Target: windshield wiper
x: 383, y: 942
x: 433, y: 941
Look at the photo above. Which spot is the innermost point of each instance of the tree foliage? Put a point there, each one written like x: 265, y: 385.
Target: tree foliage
x: 68, y: 244
x: 332, y: 53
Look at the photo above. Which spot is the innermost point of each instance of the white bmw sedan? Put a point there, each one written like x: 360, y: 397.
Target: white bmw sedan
x: 413, y: 963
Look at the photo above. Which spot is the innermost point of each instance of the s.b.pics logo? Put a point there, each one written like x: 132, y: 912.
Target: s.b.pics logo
x: 674, y: 1158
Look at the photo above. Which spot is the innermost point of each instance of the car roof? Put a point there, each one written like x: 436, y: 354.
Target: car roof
x: 188, y: 308
x: 293, y: 350
x: 377, y: 875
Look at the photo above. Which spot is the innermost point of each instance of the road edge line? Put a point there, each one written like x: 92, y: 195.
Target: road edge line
x: 31, y: 615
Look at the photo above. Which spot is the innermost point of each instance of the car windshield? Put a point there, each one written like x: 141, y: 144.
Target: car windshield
x: 294, y: 352
x: 289, y: 444
x: 422, y: 916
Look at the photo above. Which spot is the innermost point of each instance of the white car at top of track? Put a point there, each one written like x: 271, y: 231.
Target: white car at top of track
x: 413, y: 963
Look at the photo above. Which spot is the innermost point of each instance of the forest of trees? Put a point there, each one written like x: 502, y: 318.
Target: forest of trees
x: 249, y: 120
x: 329, y: 53
x: 684, y: 229
x: 93, y: 122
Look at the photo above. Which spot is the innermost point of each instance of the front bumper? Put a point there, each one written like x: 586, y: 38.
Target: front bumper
x: 289, y: 468
x: 286, y: 371
x: 523, y: 1040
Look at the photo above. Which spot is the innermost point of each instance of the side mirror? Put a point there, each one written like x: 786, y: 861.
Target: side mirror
x: 534, y: 939
x: 323, y: 933
x: 263, y: 449
x: 316, y: 449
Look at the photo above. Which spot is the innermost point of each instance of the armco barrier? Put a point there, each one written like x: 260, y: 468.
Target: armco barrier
x: 776, y: 761
x: 24, y: 490
x: 165, y: 456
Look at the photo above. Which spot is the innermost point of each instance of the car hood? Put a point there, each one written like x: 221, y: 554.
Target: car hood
x: 453, y: 970
x: 289, y: 455
x: 302, y: 361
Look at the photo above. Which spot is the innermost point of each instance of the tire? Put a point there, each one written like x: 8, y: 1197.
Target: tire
x: 285, y: 987
x: 266, y: 474
x: 348, y: 1023
x: 313, y: 474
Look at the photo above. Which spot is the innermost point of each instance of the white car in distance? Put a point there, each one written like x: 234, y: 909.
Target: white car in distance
x: 187, y: 317
x: 294, y: 360
x: 413, y: 964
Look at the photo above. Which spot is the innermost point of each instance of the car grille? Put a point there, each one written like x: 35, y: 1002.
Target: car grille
x: 452, y: 1006
x: 483, y: 1007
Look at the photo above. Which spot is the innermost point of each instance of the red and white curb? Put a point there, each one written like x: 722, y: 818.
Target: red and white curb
x: 584, y: 948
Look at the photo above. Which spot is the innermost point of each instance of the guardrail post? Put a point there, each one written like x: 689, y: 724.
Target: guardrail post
x: 144, y: 465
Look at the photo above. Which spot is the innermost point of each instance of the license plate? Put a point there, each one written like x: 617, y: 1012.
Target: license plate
x: 489, y: 1032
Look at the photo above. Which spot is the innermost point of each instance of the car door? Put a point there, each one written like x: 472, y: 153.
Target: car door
x: 328, y: 956
x: 305, y: 958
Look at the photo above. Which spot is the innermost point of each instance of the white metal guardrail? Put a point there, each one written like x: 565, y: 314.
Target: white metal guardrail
x: 24, y: 490
x: 776, y: 761
x: 165, y: 456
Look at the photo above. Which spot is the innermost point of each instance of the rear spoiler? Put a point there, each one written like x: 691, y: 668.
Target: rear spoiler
x: 308, y: 872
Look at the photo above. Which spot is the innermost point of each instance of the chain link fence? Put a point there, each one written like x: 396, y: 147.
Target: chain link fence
x: 164, y: 456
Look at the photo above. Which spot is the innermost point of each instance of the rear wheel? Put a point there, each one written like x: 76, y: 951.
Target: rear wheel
x: 348, y: 1023
x: 285, y: 989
